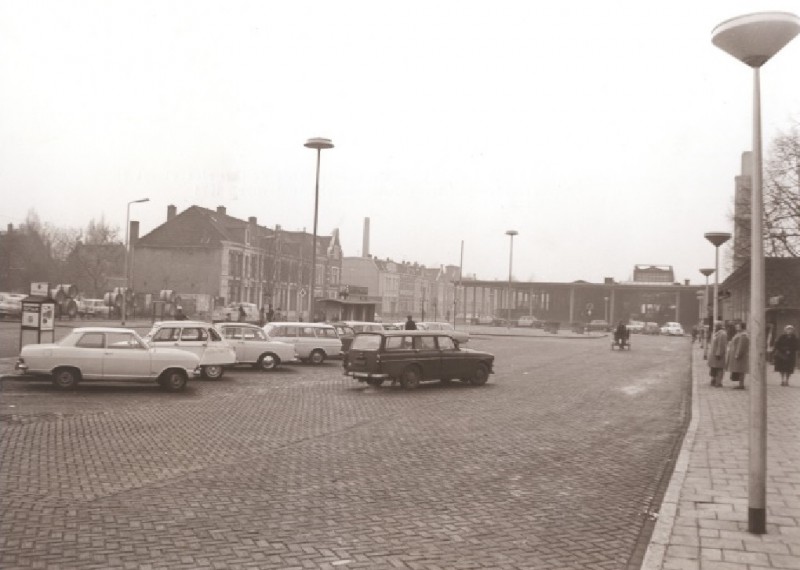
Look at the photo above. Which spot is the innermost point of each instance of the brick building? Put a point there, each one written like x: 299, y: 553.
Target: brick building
x: 202, y: 251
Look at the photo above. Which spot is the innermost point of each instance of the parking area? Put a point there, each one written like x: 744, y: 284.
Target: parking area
x: 555, y: 463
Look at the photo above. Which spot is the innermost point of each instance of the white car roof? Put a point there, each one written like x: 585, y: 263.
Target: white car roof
x: 181, y: 324
x: 103, y: 330
x: 298, y: 324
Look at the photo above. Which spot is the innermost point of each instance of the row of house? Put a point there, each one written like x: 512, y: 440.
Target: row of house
x: 204, y: 251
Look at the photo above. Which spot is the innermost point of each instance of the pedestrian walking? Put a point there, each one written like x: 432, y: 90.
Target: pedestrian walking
x: 738, y: 357
x: 785, y: 352
x: 716, y: 354
x: 179, y: 315
x: 410, y: 324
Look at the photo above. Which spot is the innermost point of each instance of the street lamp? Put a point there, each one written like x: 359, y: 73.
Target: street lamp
x: 510, y: 234
x: 754, y: 39
x: 605, y: 304
x: 717, y: 239
x: 703, y: 337
x: 319, y: 144
x: 127, y: 276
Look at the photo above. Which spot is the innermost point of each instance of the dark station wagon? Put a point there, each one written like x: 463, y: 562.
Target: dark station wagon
x: 411, y: 357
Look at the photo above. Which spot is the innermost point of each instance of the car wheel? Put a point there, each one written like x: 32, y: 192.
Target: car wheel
x: 317, y: 357
x: 410, y: 378
x: 65, y: 378
x: 173, y: 380
x: 480, y: 376
x: 213, y: 372
x: 268, y: 361
x: 374, y: 381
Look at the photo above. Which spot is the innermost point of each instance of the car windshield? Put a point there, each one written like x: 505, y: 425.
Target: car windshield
x: 367, y: 342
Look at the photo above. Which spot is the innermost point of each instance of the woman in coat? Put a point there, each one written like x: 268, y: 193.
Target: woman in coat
x: 716, y: 354
x: 739, y: 355
x: 786, y: 347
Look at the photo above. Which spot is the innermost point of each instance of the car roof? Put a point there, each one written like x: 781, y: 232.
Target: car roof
x: 181, y: 324
x: 299, y: 324
x: 102, y: 329
x: 409, y: 333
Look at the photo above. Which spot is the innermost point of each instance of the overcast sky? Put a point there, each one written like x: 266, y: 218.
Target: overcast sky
x: 607, y: 134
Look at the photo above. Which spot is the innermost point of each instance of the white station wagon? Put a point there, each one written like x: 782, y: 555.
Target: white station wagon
x: 107, y: 353
x: 198, y: 338
x: 314, y: 342
x: 252, y: 346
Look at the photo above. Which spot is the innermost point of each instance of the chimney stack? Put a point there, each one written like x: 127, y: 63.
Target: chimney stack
x: 252, y: 220
x: 221, y: 210
x: 365, y: 244
x: 171, y: 211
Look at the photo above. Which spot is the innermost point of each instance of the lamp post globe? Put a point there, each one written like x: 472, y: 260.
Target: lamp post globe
x: 510, y: 234
x: 754, y: 39
x: 124, y: 308
x: 717, y: 239
x: 319, y: 144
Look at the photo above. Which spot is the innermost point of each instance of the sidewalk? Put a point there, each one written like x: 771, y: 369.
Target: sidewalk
x: 703, y: 519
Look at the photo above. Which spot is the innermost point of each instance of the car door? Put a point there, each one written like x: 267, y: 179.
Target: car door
x: 253, y: 343
x: 234, y: 337
x: 87, y: 354
x: 428, y: 356
x: 453, y: 361
x: 125, y: 357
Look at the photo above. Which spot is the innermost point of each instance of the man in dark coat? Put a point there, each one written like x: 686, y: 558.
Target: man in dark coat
x: 785, y: 356
x: 410, y: 324
x: 716, y: 354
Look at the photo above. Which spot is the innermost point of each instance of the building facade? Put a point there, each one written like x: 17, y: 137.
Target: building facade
x: 207, y: 252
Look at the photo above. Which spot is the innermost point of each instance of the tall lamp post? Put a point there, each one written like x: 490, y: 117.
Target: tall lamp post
x: 717, y: 239
x: 319, y: 144
x: 605, y: 305
x: 753, y: 39
x: 704, y: 334
x: 510, y: 234
x: 127, y: 247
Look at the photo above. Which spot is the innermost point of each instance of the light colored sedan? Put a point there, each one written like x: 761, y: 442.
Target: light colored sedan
x: 672, y: 329
x: 253, y: 347
x: 199, y: 338
x: 107, y: 353
x: 461, y: 337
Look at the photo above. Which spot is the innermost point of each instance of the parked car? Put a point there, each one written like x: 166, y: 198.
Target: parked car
x: 461, y: 337
x: 196, y: 337
x: 598, y: 325
x: 253, y: 347
x: 411, y: 357
x: 93, y: 308
x: 313, y: 342
x: 11, y: 305
x: 529, y: 321
x: 393, y: 326
x: 672, y: 329
x: 651, y: 328
x: 636, y: 327
x: 107, y: 353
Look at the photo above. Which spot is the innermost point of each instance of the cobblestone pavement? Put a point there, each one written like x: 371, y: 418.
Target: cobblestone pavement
x: 557, y: 463
x: 703, y: 522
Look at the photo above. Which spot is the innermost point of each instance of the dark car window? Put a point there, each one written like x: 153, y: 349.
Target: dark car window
x: 91, y: 340
x: 307, y: 332
x: 425, y: 343
x: 122, y: 340
x: 212, y: 334
x: 232, y: 332
x: 446, y: 343
x: 326, y: 332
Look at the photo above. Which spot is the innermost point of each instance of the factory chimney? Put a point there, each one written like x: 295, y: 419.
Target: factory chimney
x: 365, y: 244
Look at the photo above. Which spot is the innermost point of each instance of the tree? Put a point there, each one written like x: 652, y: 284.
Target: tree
x: 782, y: 195
x: 97, y: 258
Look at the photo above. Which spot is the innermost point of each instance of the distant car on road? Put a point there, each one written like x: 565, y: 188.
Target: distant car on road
x: 107, y: 353
x: 651, y: 328
x: 461, y: 337
x: 529, y: 321
x: 672, y: 329
x: 234, y: 312
x: 598, y: 325
x: 252, y: 346
x: 411, y: 357
x: 635, y: 327
x: 93, y: 308
x: 11, y: 305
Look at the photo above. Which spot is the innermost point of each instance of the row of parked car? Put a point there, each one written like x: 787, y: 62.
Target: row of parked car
x: 174, y: 351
